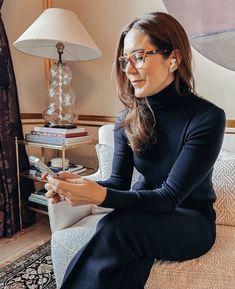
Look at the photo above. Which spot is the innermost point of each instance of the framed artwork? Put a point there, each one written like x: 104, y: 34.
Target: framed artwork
x: 210, y: 25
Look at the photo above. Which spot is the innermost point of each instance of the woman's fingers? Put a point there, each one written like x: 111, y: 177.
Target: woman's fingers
x: 61, y: 187
x: 44, y: 176
x: 67, y: 175
x: 53, y: 183
x: 56, y: 186
x: 50, y: 194
x: 73, y: 192
x: 55, y: 199
x: 47, y: 186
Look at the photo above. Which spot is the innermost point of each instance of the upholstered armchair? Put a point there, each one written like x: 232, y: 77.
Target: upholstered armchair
x: 72, y: 227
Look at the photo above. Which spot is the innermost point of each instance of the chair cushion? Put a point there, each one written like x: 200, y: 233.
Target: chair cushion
x: 66, y: 243
x: 214, y: 270
x: 226, y: 154
x: 224, y: 185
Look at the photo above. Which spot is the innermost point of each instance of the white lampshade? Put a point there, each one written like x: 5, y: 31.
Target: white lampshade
x: 58, y: 25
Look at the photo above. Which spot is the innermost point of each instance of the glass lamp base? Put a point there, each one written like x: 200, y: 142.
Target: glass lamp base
x: 60, y: 111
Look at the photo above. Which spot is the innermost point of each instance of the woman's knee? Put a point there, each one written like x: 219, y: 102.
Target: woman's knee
x: 122, y: 219
x: 111, y: 221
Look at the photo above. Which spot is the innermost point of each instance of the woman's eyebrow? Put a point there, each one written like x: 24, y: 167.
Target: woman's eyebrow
x: 132, y: 51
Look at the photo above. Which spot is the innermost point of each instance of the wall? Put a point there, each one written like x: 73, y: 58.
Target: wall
x: 92, y: 81
x: 103, y: 19
x: 29, y: 70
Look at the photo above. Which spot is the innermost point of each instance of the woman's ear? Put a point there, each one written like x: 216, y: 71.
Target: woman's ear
x: 176, y: 54
x: 175, y: 59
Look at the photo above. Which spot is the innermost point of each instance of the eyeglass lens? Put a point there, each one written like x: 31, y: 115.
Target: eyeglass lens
x: 136, y: 58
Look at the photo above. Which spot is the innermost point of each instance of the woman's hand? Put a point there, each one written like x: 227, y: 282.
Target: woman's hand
x: 55, y: 197
x: 75, y: 189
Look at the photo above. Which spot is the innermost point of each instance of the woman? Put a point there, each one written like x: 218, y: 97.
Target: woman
x: 172, y: 137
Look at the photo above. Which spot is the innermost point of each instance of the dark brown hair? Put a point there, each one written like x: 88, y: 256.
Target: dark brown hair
x: 165, y: 32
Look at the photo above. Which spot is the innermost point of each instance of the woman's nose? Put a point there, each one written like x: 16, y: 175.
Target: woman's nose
x: 130, y: 68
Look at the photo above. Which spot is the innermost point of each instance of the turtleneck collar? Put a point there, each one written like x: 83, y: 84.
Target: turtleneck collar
x: 166, y: 97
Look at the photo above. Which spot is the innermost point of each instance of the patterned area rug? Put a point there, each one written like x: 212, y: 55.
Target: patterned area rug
x: 33, y: 271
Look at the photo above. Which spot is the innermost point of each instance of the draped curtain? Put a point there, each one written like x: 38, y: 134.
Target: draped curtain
x: 10, y: 127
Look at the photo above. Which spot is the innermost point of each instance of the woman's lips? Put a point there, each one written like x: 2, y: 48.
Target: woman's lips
x: 136, y: 82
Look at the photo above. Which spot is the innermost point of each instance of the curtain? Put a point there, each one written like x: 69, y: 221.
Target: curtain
x: 11, y: 127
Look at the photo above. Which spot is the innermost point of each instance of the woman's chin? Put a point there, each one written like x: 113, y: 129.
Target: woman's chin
x: 140, y: 94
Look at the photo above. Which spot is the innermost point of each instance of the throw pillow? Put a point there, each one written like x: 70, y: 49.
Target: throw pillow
x: 224, y: 185
x: 105, y: 157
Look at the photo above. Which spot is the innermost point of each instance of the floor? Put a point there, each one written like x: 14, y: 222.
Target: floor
x: 24, y: 241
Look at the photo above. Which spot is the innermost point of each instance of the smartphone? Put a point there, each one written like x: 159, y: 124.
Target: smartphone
x: 41, y: 166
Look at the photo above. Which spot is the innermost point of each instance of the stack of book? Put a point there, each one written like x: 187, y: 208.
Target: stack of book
x: 39, y: 197
x: 34, y: 172
x: 58, y: 136
x: 72, y: 168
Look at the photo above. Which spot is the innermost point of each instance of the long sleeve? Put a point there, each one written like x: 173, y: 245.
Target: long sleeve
x: 189, y: 176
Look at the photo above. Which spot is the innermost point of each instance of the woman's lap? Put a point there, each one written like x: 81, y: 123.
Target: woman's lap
x: 128, y: 239
x: 179, y: 235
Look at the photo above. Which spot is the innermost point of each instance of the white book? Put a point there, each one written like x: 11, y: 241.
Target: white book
x: 77, y: 169
x: 59, y: 130
x: 38, y: 200
x: 56, y: 140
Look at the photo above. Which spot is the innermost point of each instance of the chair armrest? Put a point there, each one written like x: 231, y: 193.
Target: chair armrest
x: 63, y: 215
x: 94, y: 177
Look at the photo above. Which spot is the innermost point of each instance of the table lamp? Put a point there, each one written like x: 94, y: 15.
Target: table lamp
x: 58, y: 34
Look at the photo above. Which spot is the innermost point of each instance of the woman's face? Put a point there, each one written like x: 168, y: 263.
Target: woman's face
x: 154, y: 76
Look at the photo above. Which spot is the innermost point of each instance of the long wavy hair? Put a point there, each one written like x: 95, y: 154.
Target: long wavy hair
x: 165, y: 32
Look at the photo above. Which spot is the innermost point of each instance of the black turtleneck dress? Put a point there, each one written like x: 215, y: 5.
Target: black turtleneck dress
x: 168, y: 214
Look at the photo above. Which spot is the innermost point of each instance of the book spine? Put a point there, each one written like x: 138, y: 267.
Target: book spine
x: 60, y: 135
x: 35, y: 173
x: 43, y: 139
x: 77, y: 139
x: 77, y: 171
x: 55, y: 140
x: 58, y: 130
x: 35, y: 195
x: 38, y: 200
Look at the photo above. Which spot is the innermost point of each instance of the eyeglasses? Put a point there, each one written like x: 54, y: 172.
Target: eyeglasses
x: 137, y: 58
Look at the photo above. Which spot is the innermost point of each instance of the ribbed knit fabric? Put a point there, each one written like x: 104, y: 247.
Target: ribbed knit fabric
x: 176, y: 170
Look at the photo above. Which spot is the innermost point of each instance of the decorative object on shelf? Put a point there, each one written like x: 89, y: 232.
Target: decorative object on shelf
x: 57, y: 162
x: 55, y: 33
